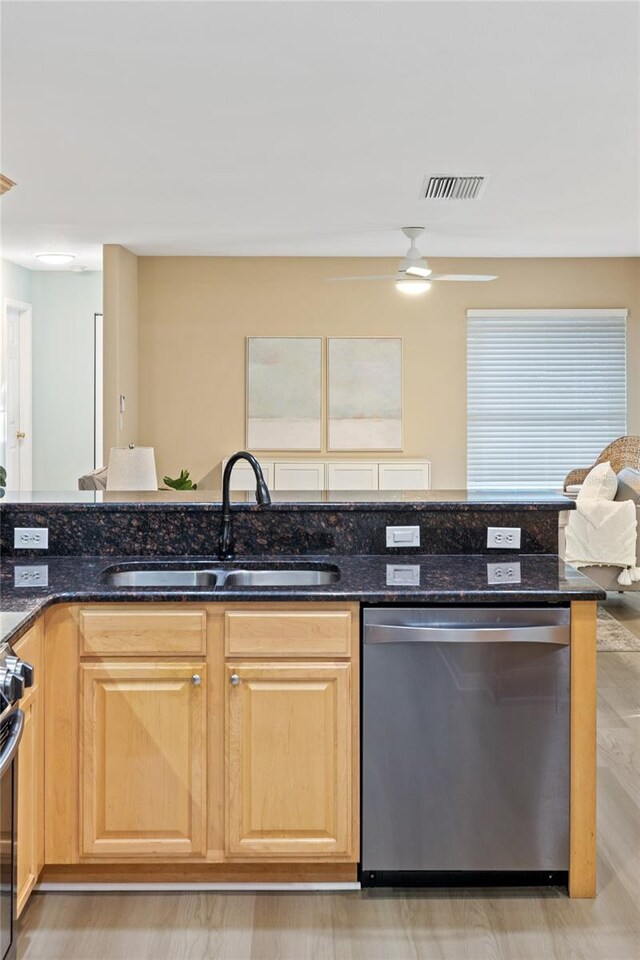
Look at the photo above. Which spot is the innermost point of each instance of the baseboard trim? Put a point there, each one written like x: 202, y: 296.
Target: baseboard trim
x: 248, y: 887
x: 209, y: 875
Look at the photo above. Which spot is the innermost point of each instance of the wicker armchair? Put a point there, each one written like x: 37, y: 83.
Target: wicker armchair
x: 623, y: 452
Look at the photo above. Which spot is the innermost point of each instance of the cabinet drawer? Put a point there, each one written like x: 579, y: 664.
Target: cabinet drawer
x: 126, y: 631
x: 285, y: 633
x: 352, y: 476
x: 405, y: 476
x: 304, y: 475
x: 243, y: 477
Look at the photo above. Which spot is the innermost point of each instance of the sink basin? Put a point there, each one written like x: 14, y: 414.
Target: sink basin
x: 161, y: 578
x: 278, y: 578
x: 224, y: 578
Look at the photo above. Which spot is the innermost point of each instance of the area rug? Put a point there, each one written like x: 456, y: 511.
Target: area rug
x: 614, y: 636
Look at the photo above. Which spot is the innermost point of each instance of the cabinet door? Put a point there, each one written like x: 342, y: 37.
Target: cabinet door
x: 289, y: 788
x: 303, y: 475
x: 143, y: 759
x: 30, y: 814
x: 405, y: 476
x: 352, y: 476
x: 243, y: 477
x: 29, y: 797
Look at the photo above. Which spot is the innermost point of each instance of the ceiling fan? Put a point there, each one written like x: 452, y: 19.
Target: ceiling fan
x: 414, y: 274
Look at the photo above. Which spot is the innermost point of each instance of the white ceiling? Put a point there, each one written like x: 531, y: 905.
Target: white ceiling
x: 306, y: 128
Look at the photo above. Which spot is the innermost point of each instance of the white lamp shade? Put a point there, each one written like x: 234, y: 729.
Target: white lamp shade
x: 132, y: 468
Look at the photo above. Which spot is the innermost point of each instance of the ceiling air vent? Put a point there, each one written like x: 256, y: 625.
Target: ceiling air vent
x: 452, y: 188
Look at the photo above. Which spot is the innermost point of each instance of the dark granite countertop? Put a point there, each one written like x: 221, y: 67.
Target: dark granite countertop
x: 421, y: 500
x: 442, y: 579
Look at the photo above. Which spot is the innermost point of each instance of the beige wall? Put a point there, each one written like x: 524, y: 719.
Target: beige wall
x: 195, y: 312
x: 121, y: 370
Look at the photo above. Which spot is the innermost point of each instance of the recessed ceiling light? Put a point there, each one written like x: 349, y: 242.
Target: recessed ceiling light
x: 56, y: 259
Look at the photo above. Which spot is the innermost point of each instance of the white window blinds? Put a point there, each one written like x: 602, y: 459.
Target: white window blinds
x: 546, y: 391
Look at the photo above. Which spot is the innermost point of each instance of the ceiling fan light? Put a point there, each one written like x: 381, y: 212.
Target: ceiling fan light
x: 417, y: 270
x: 413, y: 287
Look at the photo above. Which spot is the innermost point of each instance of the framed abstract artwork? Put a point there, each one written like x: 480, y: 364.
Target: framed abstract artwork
x: 364, y: 388
x: 284, y: 393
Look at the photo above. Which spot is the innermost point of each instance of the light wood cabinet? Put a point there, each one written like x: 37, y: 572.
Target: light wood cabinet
x: 143, y: 759
x: 144, y: 765
x: 289, y: 759
x: 30, y: 819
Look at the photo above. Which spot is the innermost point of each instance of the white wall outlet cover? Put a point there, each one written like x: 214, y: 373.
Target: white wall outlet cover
x: 31, y: 538
x: 503, y: 538
x: 34, y: 575
x: 403, y: 574
x: 403, y: 536
x: 503, y: 573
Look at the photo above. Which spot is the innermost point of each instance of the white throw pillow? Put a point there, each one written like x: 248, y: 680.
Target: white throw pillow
x: 601, y: 483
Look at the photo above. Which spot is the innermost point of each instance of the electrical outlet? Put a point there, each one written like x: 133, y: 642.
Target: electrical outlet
x: 503, y: 573
x: 403, y: 536
x: 403, y: 574
x: 32, y: 576
x: 503, y: 538
x: 31, y: 538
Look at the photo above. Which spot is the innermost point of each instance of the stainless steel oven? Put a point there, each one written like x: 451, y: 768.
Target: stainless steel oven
x: 14, y: 677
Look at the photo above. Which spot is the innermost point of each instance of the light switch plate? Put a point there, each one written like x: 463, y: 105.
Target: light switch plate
x: 403, y: 574
x: 31, y: 538
x: 403, y: 536
x: 34, y: 575
x: 503, y: 573
x: 503, y: 538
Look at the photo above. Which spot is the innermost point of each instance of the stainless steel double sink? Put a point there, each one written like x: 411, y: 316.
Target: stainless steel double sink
x: 210, y: 575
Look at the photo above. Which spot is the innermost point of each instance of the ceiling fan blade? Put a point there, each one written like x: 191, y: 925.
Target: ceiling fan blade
x: 390, y: 276
x: 464, y: 277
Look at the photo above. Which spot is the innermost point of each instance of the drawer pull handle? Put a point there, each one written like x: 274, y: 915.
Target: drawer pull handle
x: 196, y: 679
x: 235, y: 679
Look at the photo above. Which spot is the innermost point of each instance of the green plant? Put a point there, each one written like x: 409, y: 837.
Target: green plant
x: 183, y: 482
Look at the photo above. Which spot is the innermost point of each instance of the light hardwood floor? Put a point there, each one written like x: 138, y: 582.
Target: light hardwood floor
x: 625, y: 607
x: 413, y: 925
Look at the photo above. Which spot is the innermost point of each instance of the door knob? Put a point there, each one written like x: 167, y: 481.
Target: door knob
x: 20, y: 435
x: 196, y: 679
x: 235, y: 679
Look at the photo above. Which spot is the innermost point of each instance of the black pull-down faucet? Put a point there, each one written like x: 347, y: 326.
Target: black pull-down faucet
x: 225, y: 543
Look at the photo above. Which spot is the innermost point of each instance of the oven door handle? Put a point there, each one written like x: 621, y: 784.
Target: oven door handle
x: 12, y: 744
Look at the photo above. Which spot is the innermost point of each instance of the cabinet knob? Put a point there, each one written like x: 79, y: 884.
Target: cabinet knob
x: 235, y: 679
x: 196, y: 679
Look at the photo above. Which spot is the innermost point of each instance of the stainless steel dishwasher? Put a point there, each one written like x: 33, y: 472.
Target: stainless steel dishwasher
x: 465, y: 745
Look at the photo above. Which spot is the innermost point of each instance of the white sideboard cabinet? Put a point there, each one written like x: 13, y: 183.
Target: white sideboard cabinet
x: 335, y: 475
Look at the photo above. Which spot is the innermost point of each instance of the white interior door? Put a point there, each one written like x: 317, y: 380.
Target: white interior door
x: 16, y: 392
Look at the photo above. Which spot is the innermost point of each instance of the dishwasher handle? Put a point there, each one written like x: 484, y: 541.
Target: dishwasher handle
x: 420, y: 633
